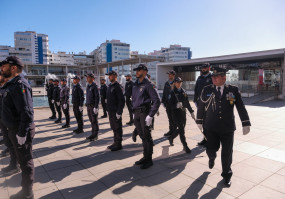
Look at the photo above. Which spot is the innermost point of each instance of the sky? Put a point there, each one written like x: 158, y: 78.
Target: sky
x: 208, y: 27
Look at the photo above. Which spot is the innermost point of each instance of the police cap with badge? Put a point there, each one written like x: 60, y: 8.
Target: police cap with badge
x: 172, y: 72
x: 112, y: 73
x: 178, y: 79
x: 76, y: 77
x: 90, y: 75
x: 141, y: 67
x: 219, y: 70
x: 13, y: 60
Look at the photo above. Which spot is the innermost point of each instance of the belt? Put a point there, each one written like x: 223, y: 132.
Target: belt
x: 141, y: 110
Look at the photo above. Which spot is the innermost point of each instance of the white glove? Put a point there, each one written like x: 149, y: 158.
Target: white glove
x: 21, y: 140
x: 133, y: 116
x: 105, y: 100
x: 118, y: 116
x: 95, y: 110
x: 64, y: 106
x: 80, y: 108
x: 196, y: 104
x: 245, y: 130
x: 148, y: 120
x: 57, y: 103
x: 52, y: 101
x: 200, y: 126
x: 193, y: 116
x: 179, y: 105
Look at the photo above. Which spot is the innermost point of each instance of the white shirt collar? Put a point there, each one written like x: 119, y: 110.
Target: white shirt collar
x: 222, y: 88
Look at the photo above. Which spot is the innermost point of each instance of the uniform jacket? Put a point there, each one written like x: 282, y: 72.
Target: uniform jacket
x: 50, y: 88
x: 201, y: 82
x: 78, y: 95
x: 17, y: 105
x: 176, y: 96
x: 56, y: 94
x: 115, y: 98
x: 103, y: 91
x: 218, y: 114
x: 144, y: 95
x: 128, y: 88
x: 64, y: 95
x: 92, y: 95
x: 166, y: 91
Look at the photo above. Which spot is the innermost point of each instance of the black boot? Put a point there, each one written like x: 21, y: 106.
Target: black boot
x: 134, y: 136
x: 23, y: 195
x: 167, y: 134
x: 170, y: 139
x: 186, y: 149
x: 111, y: 146
x: 147, y: 163
x: 66, y: 126
x: 58, y: 121
x: 202, y: 143
x: 92, y: 137
x: 79, y: 131
x: 52, y: 117
x: 117, y: 147
x: 140, y: 162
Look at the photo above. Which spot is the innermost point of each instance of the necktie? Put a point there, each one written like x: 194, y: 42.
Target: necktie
x: 219, y: 92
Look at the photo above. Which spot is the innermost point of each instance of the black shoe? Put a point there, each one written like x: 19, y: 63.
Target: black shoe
x: 211, y: 163
x: 167, y: 134
x: 23, y: 195
x: 117, y: 147
x: 58, y: 121
x: 52, y: 117
x: 170, y: 139
x: 130, y: 123
x: 92, y: 137
x: 75, y: 130
x: 134, y: 137
x: 146, y: 164
x: 227, y: 182
x: 111, y: 146
x: 10, y: 170
x: 66, y: 126
x: 140, y: 162
x: 79, y: 131
x: 103, y: 116
x: 186, y: 149
x: 202, y: 143
x: 5, y: 152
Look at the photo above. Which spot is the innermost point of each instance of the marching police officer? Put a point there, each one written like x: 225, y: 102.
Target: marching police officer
x: 165, y: 100
x: 216, y: 115
x: 115, y: 106
x: 92, y: 103
x: 78, y: 101
x: 18, y: 116
x: 143, y: 95
x: 103, y: 95
x: 179, y: 102
x: 64, y: 102
x: 128, y: 95
x: 49, y: 89
x: 203, y: 80
x: 56, y: 99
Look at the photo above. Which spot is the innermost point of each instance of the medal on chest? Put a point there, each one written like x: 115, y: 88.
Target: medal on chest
x: 231, y: 98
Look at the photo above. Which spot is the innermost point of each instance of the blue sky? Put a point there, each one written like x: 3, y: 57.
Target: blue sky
x: 209, y: 27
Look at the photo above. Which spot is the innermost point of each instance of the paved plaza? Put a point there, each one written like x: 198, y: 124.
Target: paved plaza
x: 69, y: 167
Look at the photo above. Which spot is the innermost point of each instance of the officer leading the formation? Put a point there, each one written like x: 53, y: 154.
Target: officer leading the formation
x: 128, y: 95
x: 203, y: 80
x: 49, y: 89
x: 103, y: 95
x: 56, y: 99
x: 216, y: 116
x: 178, y: 100
x: 78, y: 102
x: 18, y: 116
x: 143, y: 95
x: 168, y: 86
x: 115, y: 106
x: 92, y: 103
x: 64, y: 102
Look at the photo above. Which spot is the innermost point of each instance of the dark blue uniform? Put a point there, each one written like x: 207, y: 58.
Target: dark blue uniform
x: 202, y: 81
x: 92, y: 101
x: 49, y: 90
x: 165, y: 100
x: 216, y: 113
x: 64, y: 99
x: 145, y: 102
x: 115, y: 105
x: 103, y: 95
x: 179, y: 114
x: 128, y: 94
x: 18, y: 116
x: 56, y: 98
x: 78, y: 101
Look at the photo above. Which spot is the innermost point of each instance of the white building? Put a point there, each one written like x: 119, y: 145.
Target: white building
x: 61, y: 58
x: 31, y: 47
x: 4, y: 52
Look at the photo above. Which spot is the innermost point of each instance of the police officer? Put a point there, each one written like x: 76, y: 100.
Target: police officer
x: 56, y: 99
x: 49, y: 89
x: 64, y: 102
x: 216, y: 115
x: 143, y: 95
x: 115, y: 106
x: 165, y: 100
x: 128, y: 95
x: 18, y: 116
x: 13, y: 167
x: 203, y: 80
x: 179, y: 102
x: 78, y: 101
x: 92, y: 103
x: 103, y: 95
